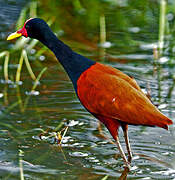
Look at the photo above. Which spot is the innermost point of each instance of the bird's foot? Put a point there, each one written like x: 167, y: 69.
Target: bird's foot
x: 129, y: 158
x: 127, y: 166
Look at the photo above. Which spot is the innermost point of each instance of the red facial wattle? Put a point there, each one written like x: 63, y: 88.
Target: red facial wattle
x: 23, y: 31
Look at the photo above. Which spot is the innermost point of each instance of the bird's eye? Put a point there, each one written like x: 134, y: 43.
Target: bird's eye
x: 27, y: 26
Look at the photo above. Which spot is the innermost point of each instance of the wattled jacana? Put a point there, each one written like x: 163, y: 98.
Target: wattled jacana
x: 111, y: 96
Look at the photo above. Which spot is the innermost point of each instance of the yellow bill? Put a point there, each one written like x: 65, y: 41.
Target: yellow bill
x: 13, y: 36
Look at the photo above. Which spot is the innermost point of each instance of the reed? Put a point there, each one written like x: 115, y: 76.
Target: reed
x: 102, y: 29
x: 38, y: 78
x: 18, y: 72
x: 22, y: 18
x: 33, y: 9
x: 162, y: 22
x: 34, y: 87
x: 6, y: 62
x: 102, y: 36
x: 21, y: 154
x: 28, y: 65
x: 158, y: 50
x: 6, y: 55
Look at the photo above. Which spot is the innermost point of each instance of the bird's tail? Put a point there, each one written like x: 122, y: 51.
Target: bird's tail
x: 163, y: 122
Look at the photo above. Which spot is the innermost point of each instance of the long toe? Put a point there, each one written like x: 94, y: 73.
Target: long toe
x: 129, y: 158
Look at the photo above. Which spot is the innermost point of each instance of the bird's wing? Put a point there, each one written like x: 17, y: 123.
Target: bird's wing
x: 110, y: 93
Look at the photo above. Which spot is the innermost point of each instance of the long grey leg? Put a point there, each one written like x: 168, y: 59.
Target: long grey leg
x: 122, y: 152
x: 125, y: 131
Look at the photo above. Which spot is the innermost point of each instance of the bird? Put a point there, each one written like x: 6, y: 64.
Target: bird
x: 111, y: 96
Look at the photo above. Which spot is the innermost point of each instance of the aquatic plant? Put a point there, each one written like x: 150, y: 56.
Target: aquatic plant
x: 19, y: 46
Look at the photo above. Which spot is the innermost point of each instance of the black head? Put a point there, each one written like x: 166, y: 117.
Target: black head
x: 34, y: 28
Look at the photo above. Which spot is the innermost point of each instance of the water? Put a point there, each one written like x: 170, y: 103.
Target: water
x: 84, y: 154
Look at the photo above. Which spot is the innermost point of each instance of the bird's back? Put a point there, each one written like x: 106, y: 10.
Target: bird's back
x: 108, y: 92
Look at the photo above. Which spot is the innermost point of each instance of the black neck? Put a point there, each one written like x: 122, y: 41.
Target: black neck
x: 73, y: 63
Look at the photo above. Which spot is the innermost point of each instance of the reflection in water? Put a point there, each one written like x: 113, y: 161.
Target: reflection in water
x: 124, y: 174
x: 155, y: 160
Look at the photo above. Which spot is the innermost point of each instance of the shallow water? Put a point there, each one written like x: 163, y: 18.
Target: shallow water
x: 84, y: 154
